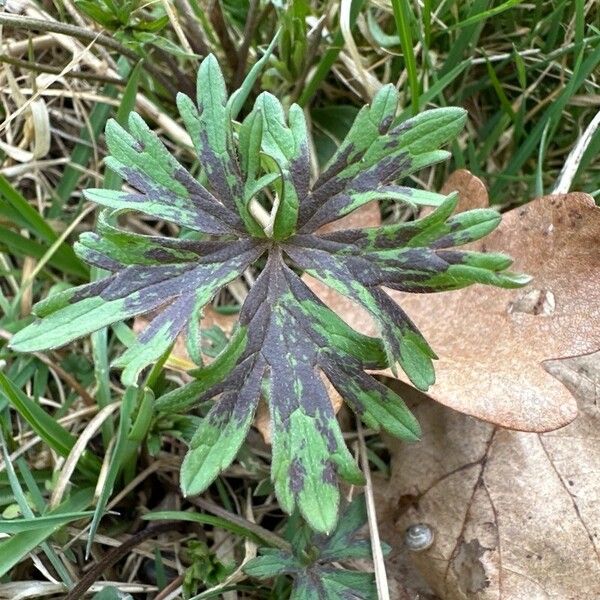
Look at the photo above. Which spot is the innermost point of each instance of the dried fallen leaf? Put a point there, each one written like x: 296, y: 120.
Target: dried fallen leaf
x: 492, y: 344
x: 515, y: 515
x: 472, y: 192
x: 368, y: 215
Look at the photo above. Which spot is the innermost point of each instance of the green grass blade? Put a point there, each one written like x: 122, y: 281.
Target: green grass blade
x: 14, y: 549
x: 22, y: 246
x: 38, y: 500
x: 486, y: 14
x: 14, y: 526
x: 468, y: 38
x: 56, y: 436
x: 115, y: 462
x: 328, y: 58
x: 581, y: 71
x: 237, y: 98
x: 37, y: 225
x: 539, y: 170
x: 31, y: 485
x: 427, y: 23
x: 403, y: 16
x: 256, y: 533
x: 437, y: 89
x: 579, y: 20
x: 500, y: 93
x: 24, y: 504
x: 35, y: 222
x: 99, y: 340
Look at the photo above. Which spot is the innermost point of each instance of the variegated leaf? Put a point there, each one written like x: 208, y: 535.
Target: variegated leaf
x: 288, y: 343
x: 319, y: 579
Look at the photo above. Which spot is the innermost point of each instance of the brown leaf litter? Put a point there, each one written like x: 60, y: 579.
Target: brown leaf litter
x: 515, y: 515
x: 494, y: 344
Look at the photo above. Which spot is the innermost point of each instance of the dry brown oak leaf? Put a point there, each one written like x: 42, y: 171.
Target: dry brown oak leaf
x: 493, y: 345
x: 515, y: 516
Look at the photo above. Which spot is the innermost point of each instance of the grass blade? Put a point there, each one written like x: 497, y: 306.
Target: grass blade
x: 328, y: 58
x: 403, y: 16
x: 15, y: 548
x: 14, y: 526
x: 486, y: 14
x: 251, y: 531
x: 37, y: 225
x: 581, y: 71
x: 56, y: 436
x: 115, y: 461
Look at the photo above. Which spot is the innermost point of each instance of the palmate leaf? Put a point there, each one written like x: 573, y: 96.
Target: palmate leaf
x: 287, y: 342
x: 312, y: 569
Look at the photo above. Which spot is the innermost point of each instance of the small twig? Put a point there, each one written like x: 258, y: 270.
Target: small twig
x: 86, y: 35
x: 185, y: 44
x: 171, y: 587
x: 197, y: 39
x: 114, y: 555
x: 37, y: 13
x: 218, y: 22
x: 249, y: 29
x: 67, y: 378
x: 40, y: 68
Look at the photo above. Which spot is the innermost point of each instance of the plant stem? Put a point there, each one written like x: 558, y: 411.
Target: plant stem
x: 198, y: 39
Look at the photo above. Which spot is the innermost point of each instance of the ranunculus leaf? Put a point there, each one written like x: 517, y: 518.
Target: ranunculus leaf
x: 286, y: 337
